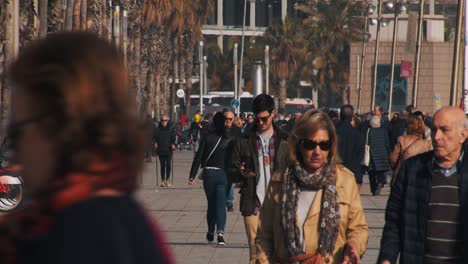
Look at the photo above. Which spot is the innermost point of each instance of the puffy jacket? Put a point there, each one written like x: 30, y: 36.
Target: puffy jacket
x: 350, y: 147
x: 271, y: 243
x: 379, y: 143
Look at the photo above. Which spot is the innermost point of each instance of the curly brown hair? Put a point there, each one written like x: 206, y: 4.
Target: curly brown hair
x: 81, y: 82
x: 415, y: 126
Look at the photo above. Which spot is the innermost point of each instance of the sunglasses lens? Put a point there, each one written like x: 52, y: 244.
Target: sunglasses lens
x: 310, y: 144
x: 325, y: 145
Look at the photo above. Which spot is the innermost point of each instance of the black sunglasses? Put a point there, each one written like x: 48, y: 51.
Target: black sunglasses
x: 229, y: 119
x: 263, y: 119
x: 164, y: 120
x: 310, y: 144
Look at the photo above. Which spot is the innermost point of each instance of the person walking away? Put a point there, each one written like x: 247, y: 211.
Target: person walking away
x: 409, y: 145
x: 165, y: 145
x: 232, y: 133
x: 211, y: 158
x: 426, y: 216
x: 350, y: 143
x: 379, y: 150
x: 75, y: 131
x: 312, y: 212
x: 252, y: 163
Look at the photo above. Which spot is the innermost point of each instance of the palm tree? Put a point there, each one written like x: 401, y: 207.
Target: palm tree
x: 76, y: 15
x: 56, y: 16
x: 94, y: 16
x: 330, y: 26
x: 28, y: 27
x: 43, y: 9
x: 287, y: 48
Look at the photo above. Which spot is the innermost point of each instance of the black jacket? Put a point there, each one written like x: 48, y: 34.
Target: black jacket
x: 165, y: 137
x: 407, y: 210
x: 379, y: 143
x: 245, y: 150
x: 207, y: 144
x: 350, y: 147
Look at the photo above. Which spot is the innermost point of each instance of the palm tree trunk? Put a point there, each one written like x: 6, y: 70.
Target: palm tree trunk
x: 43, y: 8
x: 94, y: 16
x: 10, y: 53
x: 189, y: 62
x: 157, y: 94
x: 56, y: 16
x: 282, y: 93
x: 76, y: 15
x: 69, y: 15
x: 83, y: 14
x: 3, y: 47
x: 28, y: 30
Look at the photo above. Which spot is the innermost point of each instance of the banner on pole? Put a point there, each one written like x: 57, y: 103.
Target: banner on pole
x: 406, y: 69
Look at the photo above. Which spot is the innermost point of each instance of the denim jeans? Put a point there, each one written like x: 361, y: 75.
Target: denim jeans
x: 230, y: 198
x: 215, y: 185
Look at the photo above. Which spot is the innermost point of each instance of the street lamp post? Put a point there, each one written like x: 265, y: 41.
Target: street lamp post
x: 398, y: 7
x: 418, y: 53
x: 200, y: 62
x: 234, y: 61
x: 456, y: 54
x: 369, y: 11
x: 376, y: 54
x: 267, y: 67
x: 242, y: 47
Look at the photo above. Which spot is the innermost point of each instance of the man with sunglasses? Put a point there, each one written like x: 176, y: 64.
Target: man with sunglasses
x: 253, y: 162
x: 165, y: 144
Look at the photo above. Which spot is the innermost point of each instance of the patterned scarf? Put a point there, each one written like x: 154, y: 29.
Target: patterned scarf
x: 329, y: 220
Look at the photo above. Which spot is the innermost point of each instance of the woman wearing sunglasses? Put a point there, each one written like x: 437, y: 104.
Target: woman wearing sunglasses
x: 315, y: 202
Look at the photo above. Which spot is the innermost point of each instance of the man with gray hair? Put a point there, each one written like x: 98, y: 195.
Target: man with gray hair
x: 427, y: 211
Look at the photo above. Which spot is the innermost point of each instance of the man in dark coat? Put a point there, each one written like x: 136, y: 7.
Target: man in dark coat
x: 165, y: 144
x: 427, y: 215
x: 350, y: 143
x: 253, y: 161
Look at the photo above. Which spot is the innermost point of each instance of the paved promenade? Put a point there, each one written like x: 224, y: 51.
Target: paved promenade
x: 180, y: 210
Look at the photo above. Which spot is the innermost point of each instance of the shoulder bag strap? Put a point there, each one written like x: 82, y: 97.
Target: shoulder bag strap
x: 212, y: 151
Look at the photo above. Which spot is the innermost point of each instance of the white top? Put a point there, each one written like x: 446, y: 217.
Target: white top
x: 304, y: 203
x: 265, y: 174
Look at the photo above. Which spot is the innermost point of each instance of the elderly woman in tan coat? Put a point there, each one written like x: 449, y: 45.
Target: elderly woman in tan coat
x: 312, y: 212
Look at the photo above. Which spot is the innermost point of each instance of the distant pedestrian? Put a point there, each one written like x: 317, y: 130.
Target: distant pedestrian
x: 211, y: 157
x: 233, y: 132
x: 75, y: 131
x: 165, y: 145
x: 379, y: 143
x: 248, y: 125
x: 409, y: 145
x: 195, y: 132
x: 350, y: 143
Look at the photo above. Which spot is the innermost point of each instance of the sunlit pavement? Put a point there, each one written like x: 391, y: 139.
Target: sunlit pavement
x: 181, y: 212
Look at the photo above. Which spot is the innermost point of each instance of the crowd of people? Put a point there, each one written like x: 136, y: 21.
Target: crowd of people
x: 81, y: 147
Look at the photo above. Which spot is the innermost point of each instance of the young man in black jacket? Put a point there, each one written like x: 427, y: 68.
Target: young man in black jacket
x: 165, y: 144
x: 427, y: 215
x: 253, y: 161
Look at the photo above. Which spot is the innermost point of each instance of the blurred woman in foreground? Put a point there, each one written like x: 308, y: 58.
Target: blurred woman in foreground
x: 74, y: 129
x: 315, y: 202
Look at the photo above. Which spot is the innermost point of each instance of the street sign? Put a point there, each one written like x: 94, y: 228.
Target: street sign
x: 235, y: 103
x: 180, y: 93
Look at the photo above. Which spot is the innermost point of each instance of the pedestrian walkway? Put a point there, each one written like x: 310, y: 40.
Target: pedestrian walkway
x: 181, y: 212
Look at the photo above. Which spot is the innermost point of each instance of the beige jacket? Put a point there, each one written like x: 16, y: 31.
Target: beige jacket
x: 353, y: 227
x: 412, y: 145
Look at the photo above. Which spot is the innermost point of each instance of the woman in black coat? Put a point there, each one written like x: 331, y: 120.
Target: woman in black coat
x: 379, y: 143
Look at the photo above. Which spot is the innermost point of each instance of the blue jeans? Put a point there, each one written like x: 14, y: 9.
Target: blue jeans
x: 230, y: 198
x: 215, y: 185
